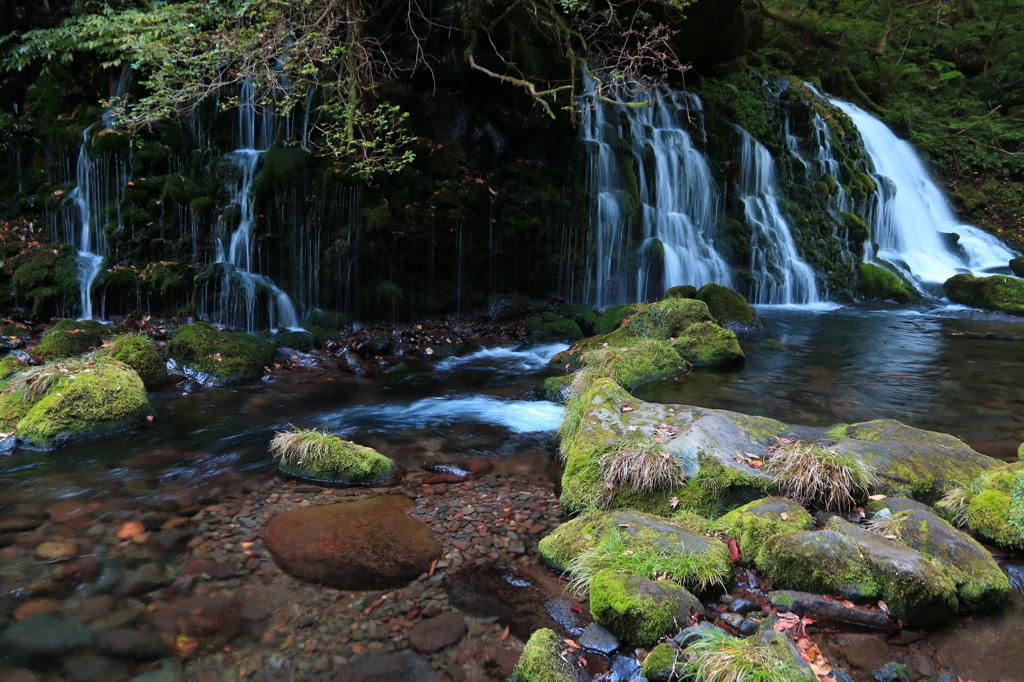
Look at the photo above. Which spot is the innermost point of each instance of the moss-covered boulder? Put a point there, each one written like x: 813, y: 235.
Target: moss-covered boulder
x: 854, y: 563
x: 979, y: 581
x: 752, y: 524
x: 730, y: 308
x: 11, y: 364
x: 997, y: 292
x: 681, y: 291
x: 555, y: 389
x: 678, y: 547
x: 705, y: 344
x: 908, y: 460
x: 48, y: 406
x: 639, y: 610
x: 878, y: 283
x: 1017, y: 266
x: 301, y: 340
x: 552, y: 327
x: 991, y: 506
x: 610, y: 318
x: 542, y: 660
x: 323, y: 457
x: 665, y: 319
x: 224, y: 356
x: 636, y: 364
x: 663, y: 664
x: 68, y: 338
x: 139, y: 353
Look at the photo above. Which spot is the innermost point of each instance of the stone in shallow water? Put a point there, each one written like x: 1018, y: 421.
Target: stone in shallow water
x: 43, y: 637
x: 434, y: 634
x: 596, y: 638
x: 362, y: 545
x: 399, y: 667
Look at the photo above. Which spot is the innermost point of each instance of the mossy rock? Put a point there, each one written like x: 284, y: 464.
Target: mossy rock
x: 610, y: 319
x: 541, y: 660
x: 139, y: 353
x: 663, y: 664
x: 754, y: 523
x: 856, y: 564
x: 302, y: 340
x: 681, y: 291
x: 682, y: 539
x: 729, y: 307
x: 639, y: 610
x: 994, y: 506
x: 979, y: 581
x: 639, y: 363
x: 1017, y: 266
x: 705, y: 344
x: 61, y: 401
x: 329, y: 459
x: 11, y: 365
x: 665, y: 319
x: 555, y: 389
x: 69, y: 338
x: 225, y: 356
x: 997, y: 292
x: 879, y: 283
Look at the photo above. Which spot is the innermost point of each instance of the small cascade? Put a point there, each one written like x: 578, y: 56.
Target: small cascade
x: 912, y: 223
x: 648, y: 176
x: 779, y: 274
x: 241, y: 285
x: 82, y: 196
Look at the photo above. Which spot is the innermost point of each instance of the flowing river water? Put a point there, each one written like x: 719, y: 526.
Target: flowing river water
x: 940, y: 368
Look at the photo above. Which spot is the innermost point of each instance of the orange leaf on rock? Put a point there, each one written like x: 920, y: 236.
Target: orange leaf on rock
x: 129, y: 529
x: 185, y: 645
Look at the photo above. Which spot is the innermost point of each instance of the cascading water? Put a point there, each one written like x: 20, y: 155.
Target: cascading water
x: 780, y: 275
x: 241, y: 284
x: 89, y: 262
x: 911, y: 213
x: 678, y: 202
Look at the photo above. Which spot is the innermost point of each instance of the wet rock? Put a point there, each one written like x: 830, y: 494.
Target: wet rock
x: 90, y: 668
x: 749, y: 626
x: 397, y: 667
x: 367, y: 544
x: 733, y: 620
x: 742, y: 606
x: 19, y: 524
x: 892, y: 672
x: 624, y: 668
x: 691, y: 634
x: 639, y: 610
x: 434, y: 634
x: 10, y: 673
x: 54, y: 551
x: 597, y: 638
x: 167, y: 670
x: 43, y: 637
x: 36, y: 606
x: 213, y: 621
x: 131, y: 645
x: 143, y: 579
x: 354, y: 364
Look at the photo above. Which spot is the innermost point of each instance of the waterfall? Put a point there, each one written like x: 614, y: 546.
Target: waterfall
x: 83, y: 198
x: 241, y: 283
x: 911, y: 213
x: 779, y: 274
x: 646, y: 169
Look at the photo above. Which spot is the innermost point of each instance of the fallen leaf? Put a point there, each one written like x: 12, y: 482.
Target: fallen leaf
x: 504, y: 635
x: 877, y: 497
x: 734, y: 551
x: 627, y: 408
x: 785, y: 516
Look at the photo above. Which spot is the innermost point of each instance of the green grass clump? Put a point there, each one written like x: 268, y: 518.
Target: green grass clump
x: 615, y: 550
x: 813, y: 474
x: 68, y: 338
x: 320, y: 454
x: 719, y: 657
x: 990, y: 506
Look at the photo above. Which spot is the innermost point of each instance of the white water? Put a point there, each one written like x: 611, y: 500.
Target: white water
x: 679, y: 204
x: 504, y: 359
x: 520, y: 416
x: 780, y: 275
x: 89, y: 263
x: 911, y: 212
x: 238, y: 260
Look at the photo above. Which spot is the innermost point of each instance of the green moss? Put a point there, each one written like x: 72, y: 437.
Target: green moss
x: 559, y: 329
x: 610, y: 318
x: 554, y: 388
x: 302, y: 341
x: 768, y: 657
x: 824, y: 562
x: 639, y: 363
x: 705, y: 344
x: 44, y: 278
x: 727, y: 305
x: 541, y: 660
x: 140, y: 354
x: 1017, y: 266
x: 856, y: 227
x: 10, y: 365
x: 997, y: 292
x: 876, y: 282
x: 227, y: 356
x: 639, y: 610
x: 58, y: 401
x: 68, y: 338
x: 323, y: 456
x: 716, y: 489
x: 664, y: 663
x: 681, y: 291
x: 666, y: 318
x: 754, y: 523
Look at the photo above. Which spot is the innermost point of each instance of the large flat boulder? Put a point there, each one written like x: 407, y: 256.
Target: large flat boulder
x: 362, y: 545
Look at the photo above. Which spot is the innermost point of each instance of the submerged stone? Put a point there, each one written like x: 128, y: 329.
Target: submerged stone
x: 361, y: 545
x: 42, y: 638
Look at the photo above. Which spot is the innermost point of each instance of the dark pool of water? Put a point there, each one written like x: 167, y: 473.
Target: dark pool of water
x: 947, y: 369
